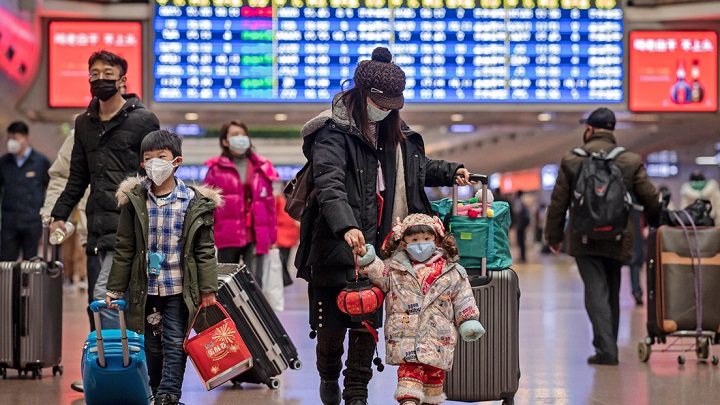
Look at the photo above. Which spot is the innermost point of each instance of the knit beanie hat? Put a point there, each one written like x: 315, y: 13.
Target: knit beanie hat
x: 384, y: 80
x: 399, y: 227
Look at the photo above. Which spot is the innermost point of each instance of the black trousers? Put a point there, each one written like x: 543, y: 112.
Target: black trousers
x: 253, y: 261
x: 601, y: 276
x: 15, y: 238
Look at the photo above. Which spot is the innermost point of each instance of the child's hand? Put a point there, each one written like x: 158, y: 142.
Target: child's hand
x: 367, y: 257
x: 109, y: 300
x: 471, y: 330
x: 207, y: 299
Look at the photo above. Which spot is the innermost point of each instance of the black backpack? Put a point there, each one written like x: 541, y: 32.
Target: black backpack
x: 600, y: 203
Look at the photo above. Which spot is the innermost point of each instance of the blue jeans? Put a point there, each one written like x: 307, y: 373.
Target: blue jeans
x: 166, y: 357
x: 110, y: 318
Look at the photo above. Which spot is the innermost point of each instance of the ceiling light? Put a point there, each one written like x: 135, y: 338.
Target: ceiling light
x: 706, y: 160
x: 456, y: 118
x: 191, y: 116
x: 545, y: 117
x: 281, y: 117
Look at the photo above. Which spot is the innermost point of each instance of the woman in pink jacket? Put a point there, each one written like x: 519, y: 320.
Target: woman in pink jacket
x: 246, y: 226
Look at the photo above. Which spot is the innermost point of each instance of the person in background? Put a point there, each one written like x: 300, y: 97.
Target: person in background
x: 701, y: 188
x: 521, y: 220
x: 368, y: 168
x: 599, y: 261
x: 23, y: 180
x: 638, y: 254
x: 287, y: 236
x: 246, y: 226
x: 59, y: 172
x: 170, y: 271
x: 106, y: 151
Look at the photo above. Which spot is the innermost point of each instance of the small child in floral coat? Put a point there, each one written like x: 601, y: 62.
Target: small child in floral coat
x: 428, y: 296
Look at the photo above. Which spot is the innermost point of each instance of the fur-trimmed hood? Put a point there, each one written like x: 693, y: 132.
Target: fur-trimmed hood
x: 212, y: 193
x: 337, y: 113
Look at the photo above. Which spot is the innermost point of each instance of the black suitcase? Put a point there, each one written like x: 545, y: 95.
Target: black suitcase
x: 489, y: 368
x: 272, y: 349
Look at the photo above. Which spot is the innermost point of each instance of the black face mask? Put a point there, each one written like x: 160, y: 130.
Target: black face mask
x: 103, y: 89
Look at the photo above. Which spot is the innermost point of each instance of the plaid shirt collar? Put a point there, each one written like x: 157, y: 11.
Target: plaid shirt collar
x: 180, y: 192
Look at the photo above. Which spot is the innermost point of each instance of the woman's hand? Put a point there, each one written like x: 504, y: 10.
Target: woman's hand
x: 356, y: 240
x: 207, y: 299
x: 462, y: 177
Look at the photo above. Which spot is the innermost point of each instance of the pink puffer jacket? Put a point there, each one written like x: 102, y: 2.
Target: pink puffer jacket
x: 230, y: 219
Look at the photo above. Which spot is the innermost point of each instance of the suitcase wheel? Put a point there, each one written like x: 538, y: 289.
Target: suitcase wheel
x: 36, y: 373
x: 274, y: 383
x: 57, y: 370
x: 296, y: 364
x: 644, y: 351
x: 508, y: 401
x: 702, y: 348
x: 4, y: 373
x: 715, y: 360
x: 681, y: 359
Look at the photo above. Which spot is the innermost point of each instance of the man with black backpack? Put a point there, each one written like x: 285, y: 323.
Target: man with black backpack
x: 595, y: 183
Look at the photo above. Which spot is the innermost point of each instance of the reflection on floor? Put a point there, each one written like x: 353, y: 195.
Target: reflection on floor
x: 555, y: 342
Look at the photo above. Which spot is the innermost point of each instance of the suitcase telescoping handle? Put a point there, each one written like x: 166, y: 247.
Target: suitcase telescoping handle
x: 50, y: 254
x: 483, y: 180
x: 95, y: 307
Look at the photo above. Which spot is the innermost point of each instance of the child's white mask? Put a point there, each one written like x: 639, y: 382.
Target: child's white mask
x: 159, y: 170
x: 420, y: 251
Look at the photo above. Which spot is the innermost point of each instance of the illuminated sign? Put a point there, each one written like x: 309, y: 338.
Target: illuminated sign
x: 673, y: 71
x: 70, y: 45
x: 478, y: 51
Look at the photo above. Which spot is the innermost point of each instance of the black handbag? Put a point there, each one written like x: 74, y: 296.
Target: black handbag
x: 698, y: 211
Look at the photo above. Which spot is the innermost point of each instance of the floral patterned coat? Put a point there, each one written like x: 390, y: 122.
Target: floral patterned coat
x: 422, y: 327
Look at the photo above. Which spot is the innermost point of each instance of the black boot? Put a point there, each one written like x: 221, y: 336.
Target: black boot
x: 358, y: 367
x: 329, y: 351
x: 167, y: 399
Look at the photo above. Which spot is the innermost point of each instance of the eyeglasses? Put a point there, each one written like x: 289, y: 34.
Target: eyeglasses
x: 102, y: 75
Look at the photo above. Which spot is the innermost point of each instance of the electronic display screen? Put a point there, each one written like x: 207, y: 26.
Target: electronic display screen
x: 70, y: 44
x: 673, y: 71
x: 478, y: 51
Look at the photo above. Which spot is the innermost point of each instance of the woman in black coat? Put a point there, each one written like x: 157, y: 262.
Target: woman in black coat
x: 368, y: 168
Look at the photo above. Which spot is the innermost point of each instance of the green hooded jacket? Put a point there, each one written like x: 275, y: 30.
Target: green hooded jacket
x: 129, y: 269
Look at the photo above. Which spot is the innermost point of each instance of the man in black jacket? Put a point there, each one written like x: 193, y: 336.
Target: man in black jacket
x: 23, y: 180
x: 105, y: 152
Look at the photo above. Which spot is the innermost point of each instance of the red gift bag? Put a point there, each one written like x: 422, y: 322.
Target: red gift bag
x: 217, y: 351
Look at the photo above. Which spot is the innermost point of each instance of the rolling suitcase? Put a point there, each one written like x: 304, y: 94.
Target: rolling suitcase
x: 6, y: 317
x: 683, y: 272
x: 260, y: 328
x: 114, y: 369
x: 489, y: 368
x: 32, y: 296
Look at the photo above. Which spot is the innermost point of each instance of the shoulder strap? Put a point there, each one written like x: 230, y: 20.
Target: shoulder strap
x: 580, y: 152
x: 617, y: 151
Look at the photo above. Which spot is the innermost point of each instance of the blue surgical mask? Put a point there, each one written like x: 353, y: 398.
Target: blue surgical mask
x: 239, y: 144
x: 375, y: 114
x: 420, y: 251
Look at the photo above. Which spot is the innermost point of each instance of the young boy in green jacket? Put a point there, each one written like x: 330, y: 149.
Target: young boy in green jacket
x: 164, y: 259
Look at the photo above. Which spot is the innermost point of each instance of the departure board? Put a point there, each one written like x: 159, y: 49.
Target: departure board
x: 477, y: 51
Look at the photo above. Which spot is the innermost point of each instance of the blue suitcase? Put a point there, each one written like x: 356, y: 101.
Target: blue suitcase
x: 114, y: 370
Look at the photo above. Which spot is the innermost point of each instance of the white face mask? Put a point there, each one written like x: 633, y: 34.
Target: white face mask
x: 420, y: 251
x: 375, y: 114
x: 159, y: 170
x: 13, y: 146
x: 239, y: 144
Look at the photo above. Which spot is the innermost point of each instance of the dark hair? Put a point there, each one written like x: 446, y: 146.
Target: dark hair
x: 389, y: 130
x: 696, y: 175
x: 18, y: 127
x: 447, y: 243
x: 109, y: 59
x: 224, y: 135
x: 160, y: 140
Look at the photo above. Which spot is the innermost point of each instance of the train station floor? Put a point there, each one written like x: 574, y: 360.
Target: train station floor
x: 555, y: 341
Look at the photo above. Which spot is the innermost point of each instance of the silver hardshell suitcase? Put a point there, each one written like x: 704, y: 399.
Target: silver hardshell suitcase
x: 6, y: 316
x: 489, y: 368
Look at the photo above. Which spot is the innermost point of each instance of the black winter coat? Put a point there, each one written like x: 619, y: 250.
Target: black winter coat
x: 103, y: 156
x: 23, y: 189
x: 345, y: 169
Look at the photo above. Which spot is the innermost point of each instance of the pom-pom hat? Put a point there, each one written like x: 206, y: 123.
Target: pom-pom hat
x: 383, y: 79
x: 399, y: 227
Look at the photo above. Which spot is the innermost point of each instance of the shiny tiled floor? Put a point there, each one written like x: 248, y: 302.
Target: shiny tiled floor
x: 555, y: 342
